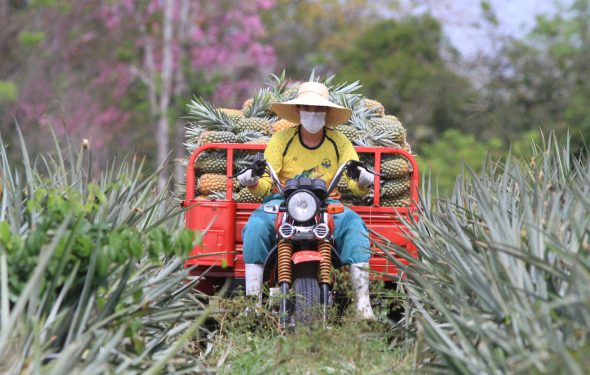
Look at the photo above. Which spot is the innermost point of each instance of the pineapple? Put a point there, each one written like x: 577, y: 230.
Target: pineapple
x: 247, y: 105
x: 395, y: 166
x: 255, y: 116
x: 245, y: 196
x: 258, y: 141
x: 259, y: 105
x: 209, y: 183
x: 290, y: 92
x: 394, y: 188
x: 211, y: 162
x: 214, y: 136
x: 374, y: 106
x: 255, y: 124
x: 282, y: 125
x: 390, y: 128
x: 400, y: 201
x: 234, y: 115
x: 349, y: 132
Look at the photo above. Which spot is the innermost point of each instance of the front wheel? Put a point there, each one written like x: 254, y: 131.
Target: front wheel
x: 306, y: 305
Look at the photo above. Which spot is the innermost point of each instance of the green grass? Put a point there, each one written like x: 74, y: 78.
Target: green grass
x: 250, y: 343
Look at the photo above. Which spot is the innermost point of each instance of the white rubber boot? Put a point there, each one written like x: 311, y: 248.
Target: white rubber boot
x: 254, y: 275
x: 359, y: 275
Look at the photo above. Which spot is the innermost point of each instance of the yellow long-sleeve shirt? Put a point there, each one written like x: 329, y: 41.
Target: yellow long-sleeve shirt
x: 290, y: 158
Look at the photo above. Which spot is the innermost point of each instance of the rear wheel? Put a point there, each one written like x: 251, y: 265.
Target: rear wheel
x: 307, y: 294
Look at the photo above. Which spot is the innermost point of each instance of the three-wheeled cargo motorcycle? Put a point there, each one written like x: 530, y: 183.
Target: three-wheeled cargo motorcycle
x: 303, y: 258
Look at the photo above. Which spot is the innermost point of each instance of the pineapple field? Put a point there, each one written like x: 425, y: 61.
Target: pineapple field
x: 92, y: 277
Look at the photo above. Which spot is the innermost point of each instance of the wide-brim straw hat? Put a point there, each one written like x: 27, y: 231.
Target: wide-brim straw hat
x: 312, y: 93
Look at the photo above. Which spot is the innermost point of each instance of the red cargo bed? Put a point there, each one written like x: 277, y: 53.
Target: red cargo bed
x: 222, y: 221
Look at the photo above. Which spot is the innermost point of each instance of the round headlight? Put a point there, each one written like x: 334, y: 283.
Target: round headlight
x: 302, y: 206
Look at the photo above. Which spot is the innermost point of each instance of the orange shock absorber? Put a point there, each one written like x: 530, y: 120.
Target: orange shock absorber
x: 284, y: 261
x: 325, y: 274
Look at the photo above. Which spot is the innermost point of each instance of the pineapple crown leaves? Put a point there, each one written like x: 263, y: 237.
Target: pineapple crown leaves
x: 193, y: 131
x: 260, y: 104
x: 350, y: 101
x: 277, y: 84
x: 246, y: 136
x: 359, y: 119
x: 244, y: 161
x: 203, y: 113
x: 345, y: 88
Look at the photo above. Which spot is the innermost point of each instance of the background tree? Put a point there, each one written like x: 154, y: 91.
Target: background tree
x: 307, y: 34
x: 117, y: 72
x: 401, y: 64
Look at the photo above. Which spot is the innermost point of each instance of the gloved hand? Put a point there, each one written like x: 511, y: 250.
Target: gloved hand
x: 247, y: 179
x: 365, y: 179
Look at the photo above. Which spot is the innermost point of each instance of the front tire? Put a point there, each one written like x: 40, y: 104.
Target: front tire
x: 306, y: 305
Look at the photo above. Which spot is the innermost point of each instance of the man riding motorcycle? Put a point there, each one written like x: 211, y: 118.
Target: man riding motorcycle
x: 316, y: 151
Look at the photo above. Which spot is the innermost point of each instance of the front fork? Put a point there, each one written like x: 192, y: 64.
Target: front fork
x: 285, y: 277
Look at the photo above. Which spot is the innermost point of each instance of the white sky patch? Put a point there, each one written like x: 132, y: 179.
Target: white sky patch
x: 466, y: 29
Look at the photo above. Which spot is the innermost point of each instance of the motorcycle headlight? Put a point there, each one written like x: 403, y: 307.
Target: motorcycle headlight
x: 302, y: 206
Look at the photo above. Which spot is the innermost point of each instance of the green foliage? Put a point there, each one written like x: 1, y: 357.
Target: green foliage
x: 445, y: 158
x: 91, y: 268
x: 546, y: 80
x: 8, y: 92
x: 501, y: 286
x: 309, y: 33
x: 31, y: 39
x: 400, y: 64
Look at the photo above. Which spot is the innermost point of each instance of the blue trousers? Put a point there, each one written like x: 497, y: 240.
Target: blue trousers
x: 351, y: 237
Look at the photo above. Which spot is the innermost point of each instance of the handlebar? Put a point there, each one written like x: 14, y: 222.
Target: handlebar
x: 351, y: 167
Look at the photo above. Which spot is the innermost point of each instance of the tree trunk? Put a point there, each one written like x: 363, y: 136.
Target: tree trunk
x: 180, y: 87
x: 162, y: 132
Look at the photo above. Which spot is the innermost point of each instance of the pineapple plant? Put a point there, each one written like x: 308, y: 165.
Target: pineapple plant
x: 395, y: 166
x: 394, y: 188
x: 505, y: 260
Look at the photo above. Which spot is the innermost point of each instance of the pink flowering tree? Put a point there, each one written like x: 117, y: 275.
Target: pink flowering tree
x: 107, y: 70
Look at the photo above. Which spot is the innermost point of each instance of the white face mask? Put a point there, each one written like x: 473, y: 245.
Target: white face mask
x: 313, y: 122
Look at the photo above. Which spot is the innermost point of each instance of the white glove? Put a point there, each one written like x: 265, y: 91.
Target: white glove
x: 365, y: 178
x: 246, y: 178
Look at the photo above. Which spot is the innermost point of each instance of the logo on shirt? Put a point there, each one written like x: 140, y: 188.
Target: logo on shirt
x: 326, y: 163
x: 311, y: 173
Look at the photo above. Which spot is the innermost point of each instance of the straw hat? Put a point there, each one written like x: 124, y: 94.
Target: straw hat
x: 312, y: 93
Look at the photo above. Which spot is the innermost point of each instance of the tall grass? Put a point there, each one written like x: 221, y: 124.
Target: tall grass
x: 91, y: 269
x: 502, y: 282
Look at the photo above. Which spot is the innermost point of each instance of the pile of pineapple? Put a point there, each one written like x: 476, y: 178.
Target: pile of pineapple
x: 255, y: 123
